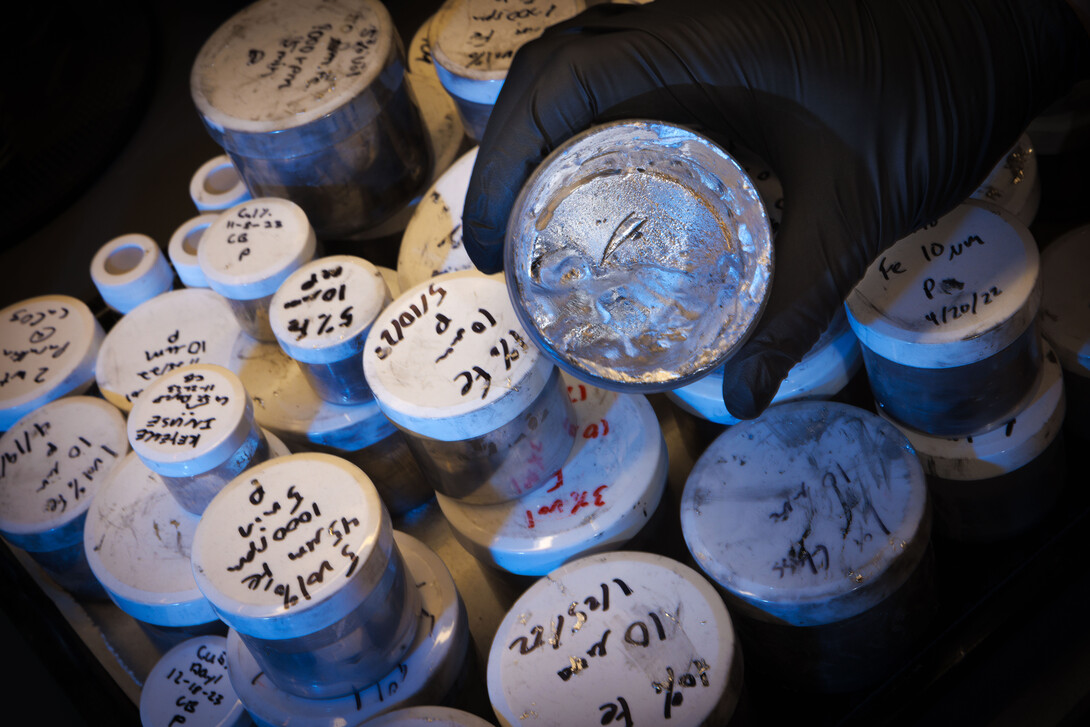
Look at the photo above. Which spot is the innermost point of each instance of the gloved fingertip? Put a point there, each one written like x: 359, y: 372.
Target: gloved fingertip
x: 485, y: 249
x: 751, y: 382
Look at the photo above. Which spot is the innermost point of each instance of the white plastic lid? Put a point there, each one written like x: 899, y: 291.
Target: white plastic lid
x: 130, y: 269
x: 437, y: 108
x: 281, y: 64
x: 268, y: 592
x: 802, y: 511
x: 183, y: 247
x: 253, y: 247
x: 285, y: 403
x: 950, y: 294
x: 52, y: 462
x: 217, y: 185
x: 428, y: 671
x: 822, y: 373
x: 615, y: 634
x: 465, y: 368
x: 191, y: 420
x: 49, y: 346
x: 1065, y: 315
x: 430, y: 716
x: 474, y: 41
x: 1013, y: 184
x: 390, y: 276
x: 189, y: 685
x: 167, y: 332
x: 606, y: 491
x: 323, y: 311
x: 432, y: 243
x: 1006, y: 448
x: 138, y: 541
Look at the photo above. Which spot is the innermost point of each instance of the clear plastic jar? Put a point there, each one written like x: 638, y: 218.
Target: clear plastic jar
x: 298, y: 556
x: 50, y: 345
x: 53, y: 462
x: 638, y: 256
x: 946, y: 321
x: 309, y: 99
x: 321, y: 316
x: 485, y: 413
x: 624, y: 637
x: 249, y: 251
x: 473, y: 42
x: 195, y: 427
x: 814, y: 521
x: 606, y: 492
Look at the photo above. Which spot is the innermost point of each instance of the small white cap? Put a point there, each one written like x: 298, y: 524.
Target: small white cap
x: 604, y: 494
x: 253, y: 247
x: 285, y: 403
x: 264, y: 599
x: 812, y: 513
x: 324, y: 310
x: 611, y: 634
x: 217, y: 185
x: 130, y: 269
x: 951, y: 294
x: 1065, y: 315
x: 50, y: 345
x: 52, y: 461
x: 190, y: 682
x: 1004, y: 449
x: 821, y: 374
x: 449, y: 359
x: 183, y: 247
x: 429, y: 669
x: 191, y: 420
x: 432, y: 243
x: 195, y: 325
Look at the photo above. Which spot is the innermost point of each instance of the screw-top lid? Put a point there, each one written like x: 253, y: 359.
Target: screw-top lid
x: 1065, y: 304
x: 615, y: 635
x: 1013, y: 183
x: 189, y: 685
x: 1015, y: 443
x: 811, y: 513
x: 432, y: 243
x: 130, y: 269
x: 52, y: 461
x: 950, y: 294
x: 822, y: 373
x: 183, y: 247
x: 244, y: 550
x: 253, y: 247
x: 449, y: 360
x: 606, y: 491
x: 428, y: 717
x: 285, y: 403
x: 167, y: 332
x: 425, y: 675
x: 283, y: 64
x: 474, y: 41
x: 217, y: 185
x: 49, y: 346
x: 323, y: 311
x: 638, y: 256
x: 191, y: 420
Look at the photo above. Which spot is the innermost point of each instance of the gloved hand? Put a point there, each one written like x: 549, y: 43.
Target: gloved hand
x: 878, y: 116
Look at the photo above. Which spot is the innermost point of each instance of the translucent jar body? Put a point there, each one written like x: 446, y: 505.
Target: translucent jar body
x: 351, y: 653
x: 338, y: 382
x: 507, y: 462
x: 253, y: 317
x: 196, y: 491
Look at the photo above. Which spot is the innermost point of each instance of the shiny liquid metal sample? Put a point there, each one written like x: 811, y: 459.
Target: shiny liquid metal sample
x: 638, y: 256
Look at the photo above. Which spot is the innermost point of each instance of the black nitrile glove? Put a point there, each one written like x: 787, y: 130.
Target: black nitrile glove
x: 878, y: 116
